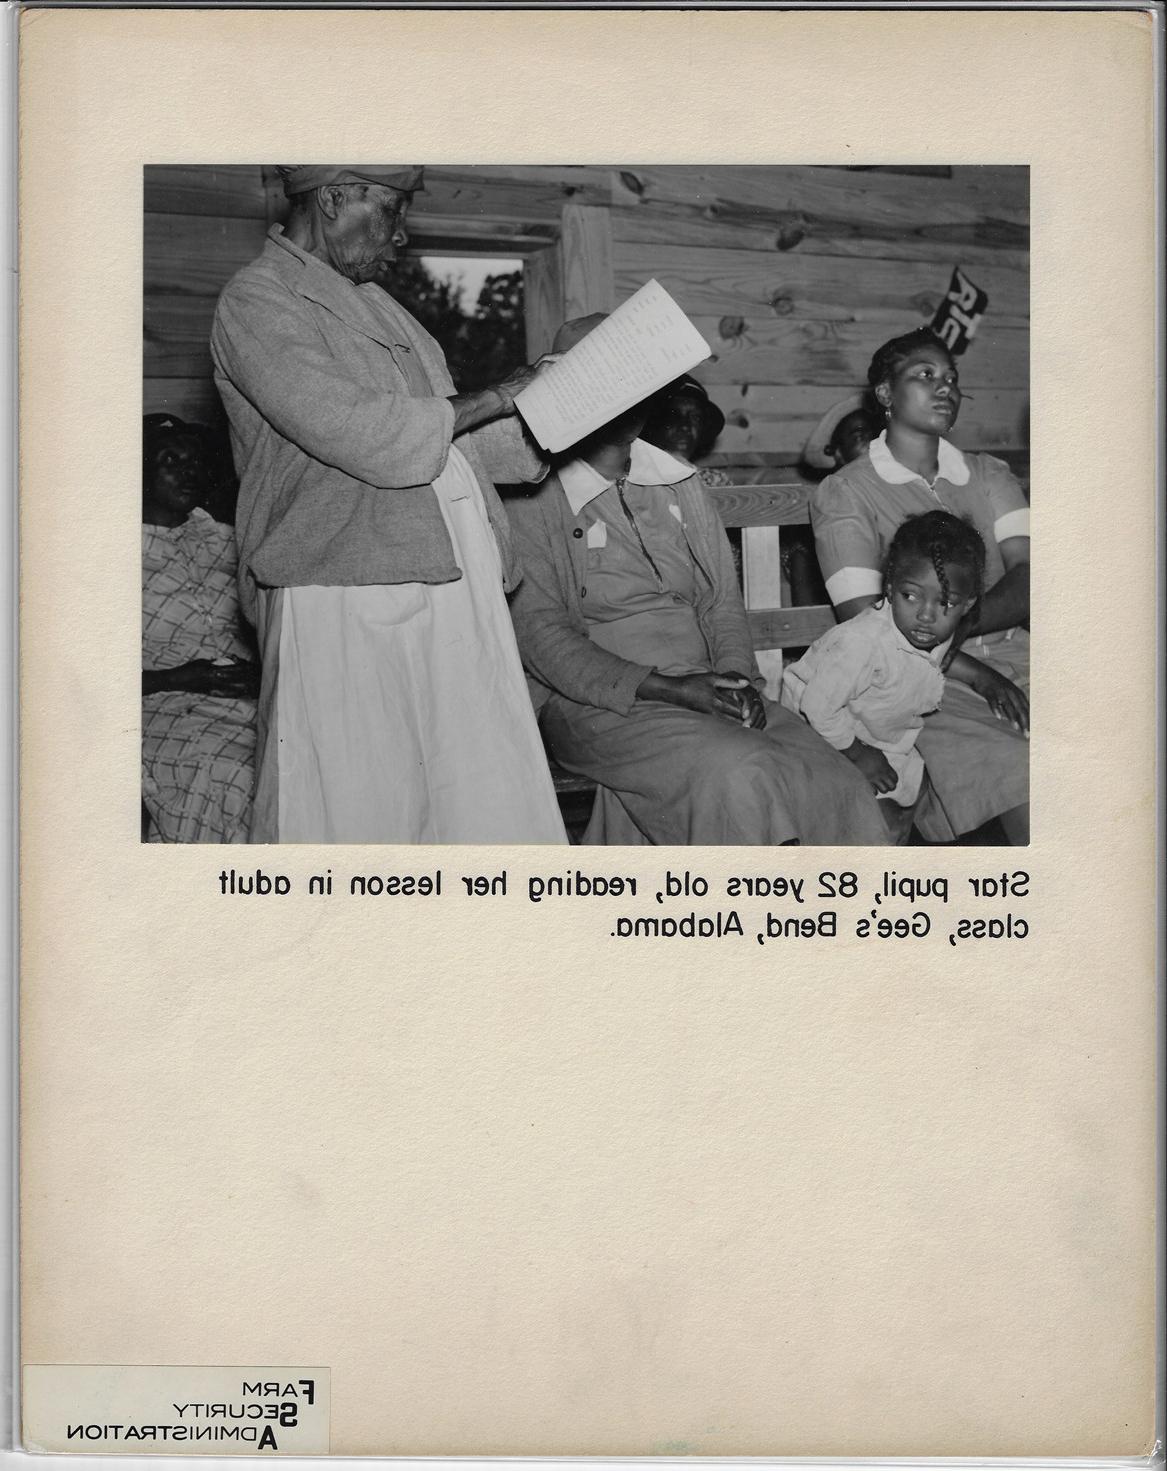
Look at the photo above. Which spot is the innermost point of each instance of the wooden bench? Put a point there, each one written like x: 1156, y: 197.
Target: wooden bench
x: 761, y: 512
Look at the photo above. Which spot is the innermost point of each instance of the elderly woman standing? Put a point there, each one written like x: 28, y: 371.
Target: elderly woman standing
x: 631, y: 624
x: 373, y: 551
x: 978, y: 764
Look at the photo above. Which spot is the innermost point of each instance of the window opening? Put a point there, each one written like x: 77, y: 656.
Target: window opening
x: 473, y: 305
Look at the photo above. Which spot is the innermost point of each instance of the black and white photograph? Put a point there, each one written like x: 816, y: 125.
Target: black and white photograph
x: 621, y: 504
x: 579, y: 560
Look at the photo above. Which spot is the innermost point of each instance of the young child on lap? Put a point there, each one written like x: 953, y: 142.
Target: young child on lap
x: 867, y: 685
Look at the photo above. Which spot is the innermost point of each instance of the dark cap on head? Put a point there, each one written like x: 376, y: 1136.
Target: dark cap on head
x: 687, y: 387
x: 162, y: 428
x: 159, y: 432
x: 300, y: 177
x: 665, y: 428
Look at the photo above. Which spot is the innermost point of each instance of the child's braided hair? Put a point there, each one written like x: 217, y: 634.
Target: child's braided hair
x: 942, y: 539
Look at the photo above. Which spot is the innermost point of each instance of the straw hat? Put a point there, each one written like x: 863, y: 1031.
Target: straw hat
x: 816, y: 452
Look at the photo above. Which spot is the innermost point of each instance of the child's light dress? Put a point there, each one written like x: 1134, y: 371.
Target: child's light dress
x: 864, y: 680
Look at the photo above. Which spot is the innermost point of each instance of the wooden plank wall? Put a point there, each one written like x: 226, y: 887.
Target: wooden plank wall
x: 796, y: 275
x: 793, y: 274
x: 200, y: 225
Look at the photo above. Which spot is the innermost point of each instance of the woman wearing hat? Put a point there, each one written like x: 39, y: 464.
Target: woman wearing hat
x: 631, y: 624
x: 843, y: 433
x: 685, y: 421
x: 373, y: 550
x: 840, y: 436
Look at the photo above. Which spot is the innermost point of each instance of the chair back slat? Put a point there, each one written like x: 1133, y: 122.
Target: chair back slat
x: 759, y: 511
x: 788, y: 628
x: 778, y: 504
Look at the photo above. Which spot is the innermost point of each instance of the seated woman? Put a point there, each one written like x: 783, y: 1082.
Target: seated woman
x: 630, y: 621
x: 198, y: 680
x: 977, y: 763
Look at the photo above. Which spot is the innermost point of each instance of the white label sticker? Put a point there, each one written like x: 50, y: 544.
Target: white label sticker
x: 174, y: 1409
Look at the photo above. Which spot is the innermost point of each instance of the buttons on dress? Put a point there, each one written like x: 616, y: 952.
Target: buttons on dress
x: 578, y: 532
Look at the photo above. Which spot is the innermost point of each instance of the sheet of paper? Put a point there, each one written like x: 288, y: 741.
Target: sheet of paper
x: 515, y: 1184
x: 646, y: 342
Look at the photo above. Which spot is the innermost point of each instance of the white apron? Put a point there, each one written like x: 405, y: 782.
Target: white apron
x: 400, y: 713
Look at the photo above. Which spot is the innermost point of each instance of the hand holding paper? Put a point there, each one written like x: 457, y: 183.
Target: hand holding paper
x: 644, y: 344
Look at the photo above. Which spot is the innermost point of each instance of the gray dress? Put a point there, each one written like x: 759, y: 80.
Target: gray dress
x: 653, y: 587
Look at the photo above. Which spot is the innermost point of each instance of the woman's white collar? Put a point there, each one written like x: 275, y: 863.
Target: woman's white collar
x: 953, y: 466
x: 648, y: 465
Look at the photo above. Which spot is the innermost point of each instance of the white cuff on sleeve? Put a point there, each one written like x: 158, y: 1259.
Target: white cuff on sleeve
x: 1012, y: 523
x: 853, y: 582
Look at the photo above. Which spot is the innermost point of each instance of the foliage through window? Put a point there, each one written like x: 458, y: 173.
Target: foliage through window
x: 483, y: 342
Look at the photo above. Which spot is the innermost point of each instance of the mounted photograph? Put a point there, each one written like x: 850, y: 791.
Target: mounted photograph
x: 610, y: 505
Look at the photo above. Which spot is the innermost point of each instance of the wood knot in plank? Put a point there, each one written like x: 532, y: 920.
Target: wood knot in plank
x: 782, y: 303
x: 631, y: 182
x: 790, y: 235
x: 731, y: 327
